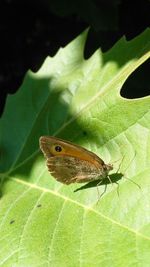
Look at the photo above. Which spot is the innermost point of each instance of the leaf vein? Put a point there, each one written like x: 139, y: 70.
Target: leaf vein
x: 88, y: 208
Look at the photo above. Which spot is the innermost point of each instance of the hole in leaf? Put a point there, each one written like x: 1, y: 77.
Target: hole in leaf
x: 138, y: 83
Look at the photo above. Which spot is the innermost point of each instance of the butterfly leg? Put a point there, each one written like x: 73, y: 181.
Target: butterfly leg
x: 108, y: 177
x: 117, y: 188
x: 100, y: 195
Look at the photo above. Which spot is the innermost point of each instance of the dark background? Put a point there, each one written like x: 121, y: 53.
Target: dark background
x: 32, y: 30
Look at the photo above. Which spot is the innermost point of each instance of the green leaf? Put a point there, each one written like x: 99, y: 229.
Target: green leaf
x: 46, y: 223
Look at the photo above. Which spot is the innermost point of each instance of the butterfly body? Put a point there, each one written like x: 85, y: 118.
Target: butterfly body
x: 70, y: 163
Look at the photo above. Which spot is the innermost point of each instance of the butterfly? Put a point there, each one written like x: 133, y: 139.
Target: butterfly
x: 70, y: 163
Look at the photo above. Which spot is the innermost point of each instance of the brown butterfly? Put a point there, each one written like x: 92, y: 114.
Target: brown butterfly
x: 70, y: 163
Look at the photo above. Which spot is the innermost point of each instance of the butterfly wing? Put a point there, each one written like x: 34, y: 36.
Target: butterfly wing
x: 69, y: 163
x: 69, y: 170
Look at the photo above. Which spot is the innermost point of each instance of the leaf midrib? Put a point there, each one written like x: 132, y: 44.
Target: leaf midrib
x: 87, y: 208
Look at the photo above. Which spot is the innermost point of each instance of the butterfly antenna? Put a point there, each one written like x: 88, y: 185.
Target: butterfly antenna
x: 133, y: 182
x: 130, y: 161
x: 128, y: 167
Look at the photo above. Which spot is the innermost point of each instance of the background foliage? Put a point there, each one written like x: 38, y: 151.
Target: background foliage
x: 31, y: 30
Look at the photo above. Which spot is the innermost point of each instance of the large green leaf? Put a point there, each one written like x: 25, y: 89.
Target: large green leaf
x: 45, y: 223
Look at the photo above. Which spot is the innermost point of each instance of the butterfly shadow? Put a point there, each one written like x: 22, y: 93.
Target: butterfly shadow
x: 113, y: 178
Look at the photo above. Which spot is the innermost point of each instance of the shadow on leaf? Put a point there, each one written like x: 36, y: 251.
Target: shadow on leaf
x: 113, y: 178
